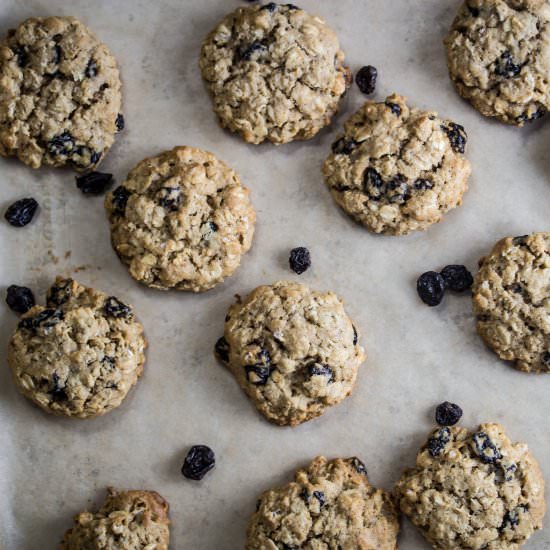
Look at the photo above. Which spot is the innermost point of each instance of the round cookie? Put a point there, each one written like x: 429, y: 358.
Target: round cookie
x: 80, y: 355
x: 127, y: 520
x: 498, y: 53
x: 293, y: 351
x: 329, y: 505
x: 59, y: 94
x: 511, y: 297
x: 181, y: 220
x: 274, y: 72
x: 473, y: 490
x: 397, y: 169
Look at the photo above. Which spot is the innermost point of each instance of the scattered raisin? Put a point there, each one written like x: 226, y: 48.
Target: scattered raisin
x: 119, y: 122
x: 447, y: 414
x: 258, y: 374
x: 46, y: 319
x: 170, y: 198
x: 397, y: 190
x: 221, y: 349
x: 199, y: 461
x: 358, y: 465
x: 511, y: 518
x: 246, y: 51
x: 394, y: 107
x: 344, y: 146
x: 539, y: 113
x: 91, y: 69
x: 457, y: 136
x: 506, y: 67
x: 59, y: 294
x: 431, y: 288
x: 438, y: 441
x: 21, y: 212
x: 62, y: 144
x: 299, y: 260
x: 485, y: 448
x: 457, y: 277
x: 19, y: 298
x: 115, y: 308
x: 366, y: 79
x: 315, y: 369
x: 120, y: 198
x: 94, y: 183
x: 372, y: 183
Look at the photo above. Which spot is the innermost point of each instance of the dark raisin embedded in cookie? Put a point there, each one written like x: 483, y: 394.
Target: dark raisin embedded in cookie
x: 115, y: 308
x: 431, y: 288
x: 22, y: 56
x: 120, y: 198
x: 221, y: 350
x: 422, y: 184
x: 60, y: 293
x: 447, y: 414
x: 373, y: 184
x: 258, y: 374
x: 511, y: 518
x: 21, y: 212
x: 506, y: 67
x: 321, y: 370
x: 57, y: 392
x: 299, y: 260
x: 394, y: 107
x: 457, y: 136
x: 485, y: 448
x: 246, y: 51
x: 199, y: 461
x: 344, y: 146
x: 91, y: 69
x: 170, y: 198
x: 94, y: 183
x: 438, y: 441
x: 63, y: 144
x: 46, y: 319
x: 119, y: 122
x: 457, y: 277
x: 546, y: 358
x: 366, y: 79
x: 358, y: 465
x: 355, y: 336
x: 19, y: 298
x: 271, y: 7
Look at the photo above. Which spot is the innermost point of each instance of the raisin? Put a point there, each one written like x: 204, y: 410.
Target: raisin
x: 372, y: 183
x: 512, y: 517
x: 62, y: 144
x: 457, y: 277
x: 447, y: 414
x: 474, y: 12
x: 94, y: 157
x: 546, y: 358
x: 119, y: 199
x: 246, y: 51
x: 431, y: 288
x: 355, y: 336
x: 119, y: 122
x: 438, y: 441
x: 199, y: 461
x: 60, y: 293
x: 91, y: 69
x: 271, y: 7
x: 207, y: 229
x: 57, y: 392
x: 221, y: 349
x: 421, y: 184
x: 21, y: 212
x: 344, y: 146
x: 170, y: 198
x: 115, y: 308
x: 291, y: 6
x: 358, y: 465
x: 539, y: 113
x: 398, y: 190
x: 46, y: 319
x: 19, y: 298
x: 506, y: 67
x: 320, y: 496
x: 394, y: 107
x: 315, y: 369
x: 259, y: 373
x: 509, y: 472
x: 457, y: 136
x: 299, y: 260
x: 22, y: 56
x: 94, y: 183
x: 366, y: 79
x: 57, y: 53
x: 520, y: 241
x: 485, y: 448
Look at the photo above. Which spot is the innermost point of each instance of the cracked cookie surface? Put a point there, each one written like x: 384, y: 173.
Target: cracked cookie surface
x: 331, y: 505
x: 60, y: 94
x: 127, y: 520
x: 80, y: 355
x: 511, y: 298
x: 274, y: 72
x: 181, y: 220
x: 397, y: 169
x: 473, y: 490
x: 498, y: 54
x: 293, y: 351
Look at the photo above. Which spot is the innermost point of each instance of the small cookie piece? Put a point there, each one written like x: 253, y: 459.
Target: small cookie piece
x: 59, y: 94
x: 80, y: 355
x: 397, y: 169
x: 181, y: 220
x: 511, y: 297
x: 498, y: 53
x: 473, y: 490
x: 293, y: 351
x: 127, y: 520
x: 274, y: 72
x: 329, y: 505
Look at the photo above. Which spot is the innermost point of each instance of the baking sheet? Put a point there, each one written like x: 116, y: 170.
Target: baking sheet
x: 51, y: 468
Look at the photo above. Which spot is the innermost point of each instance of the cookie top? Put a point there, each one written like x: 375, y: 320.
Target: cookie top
x: 473, y: 490
x: 181, y: 220
x: 80, y: 355
x: 293, y: 350
x: 329, y: 505
x: 397, y: 168
x: 498, y: 53
x: 59, y: 94
x: 511, y: 296
x: 274, y: 72
x: 127, y: 520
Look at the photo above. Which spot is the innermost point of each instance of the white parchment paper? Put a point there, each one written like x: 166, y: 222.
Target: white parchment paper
x: 51, y: 468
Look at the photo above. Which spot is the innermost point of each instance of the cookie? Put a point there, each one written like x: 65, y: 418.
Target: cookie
x: 511, y: 297
x: 274, y: 73
x: 396, y: 168
x: 294, y: 351
x: 127, y: 520
x: 181, y: 220
x: 80, y: 355
x: 330, y: 505
x: 498, y: 53
x: 474, y: 490
x: 59, y: 94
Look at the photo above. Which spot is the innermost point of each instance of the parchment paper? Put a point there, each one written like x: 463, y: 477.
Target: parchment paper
x: 52, y: 468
